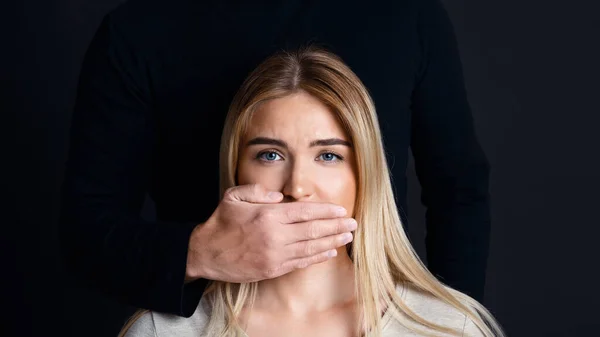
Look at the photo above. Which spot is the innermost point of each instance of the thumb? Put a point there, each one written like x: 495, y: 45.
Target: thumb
x: 254, y: 193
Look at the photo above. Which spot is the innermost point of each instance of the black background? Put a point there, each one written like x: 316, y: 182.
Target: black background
x: 532, y: 74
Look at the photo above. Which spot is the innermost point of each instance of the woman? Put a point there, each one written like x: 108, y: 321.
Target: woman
x: 304, y: 124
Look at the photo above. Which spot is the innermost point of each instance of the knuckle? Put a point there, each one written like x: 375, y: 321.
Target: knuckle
x: 314, y: 230
x: 309, y: 248
x: 305, y: 213
x: 265, y: 217
x: 268, y: 214
x: 300, y: 213
x: 316, y: 259
x: 303, y: 264
x: 228, y: 194
x: 291, y: 213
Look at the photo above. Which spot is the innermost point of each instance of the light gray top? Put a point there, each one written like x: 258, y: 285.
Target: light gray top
x: 154, y: 324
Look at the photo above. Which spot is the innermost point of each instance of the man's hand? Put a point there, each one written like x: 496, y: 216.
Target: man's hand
x: 252, y: 237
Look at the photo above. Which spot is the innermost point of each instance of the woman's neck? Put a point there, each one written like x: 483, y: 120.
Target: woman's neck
x: 317, y: 288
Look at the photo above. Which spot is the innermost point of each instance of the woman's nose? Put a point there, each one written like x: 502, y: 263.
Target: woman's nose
x: 299, y: 183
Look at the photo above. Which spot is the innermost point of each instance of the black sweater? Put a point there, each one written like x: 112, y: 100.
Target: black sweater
x: 153, y: 94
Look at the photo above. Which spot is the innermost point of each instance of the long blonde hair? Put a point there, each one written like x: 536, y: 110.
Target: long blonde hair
x: 382, y: 254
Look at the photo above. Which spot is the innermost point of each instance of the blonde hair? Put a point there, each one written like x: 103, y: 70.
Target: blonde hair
x: 382, y: 254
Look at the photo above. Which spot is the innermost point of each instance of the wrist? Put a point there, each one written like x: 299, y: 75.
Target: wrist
x: 195, y: 264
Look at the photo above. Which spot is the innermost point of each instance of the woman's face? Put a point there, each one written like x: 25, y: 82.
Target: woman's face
x: 296, y: 146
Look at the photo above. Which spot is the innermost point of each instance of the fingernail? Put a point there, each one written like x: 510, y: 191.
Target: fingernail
x: 274, y: 195
x: 332, y: 253
x: 347, y: 237
x: 351, y: 223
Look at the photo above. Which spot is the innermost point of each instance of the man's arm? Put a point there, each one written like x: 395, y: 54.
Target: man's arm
x: 103, y: 237
x: 452, y: 169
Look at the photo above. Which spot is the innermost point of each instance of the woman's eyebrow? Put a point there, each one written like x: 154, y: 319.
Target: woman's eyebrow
x: 330, y: 141
x: 281, y: 143
x: 266, y: 141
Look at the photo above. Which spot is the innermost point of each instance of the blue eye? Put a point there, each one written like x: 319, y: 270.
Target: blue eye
x: 271, y: 156
x: 268, y: 155
x: 330, y: 156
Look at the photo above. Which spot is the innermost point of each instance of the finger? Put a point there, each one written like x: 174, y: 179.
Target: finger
x: 309, y: 248
x: 254, y: 193
x: 294, y: 264
x: 294, y: 212
x: 317, y: 229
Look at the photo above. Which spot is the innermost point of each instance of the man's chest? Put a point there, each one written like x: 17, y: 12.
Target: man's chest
x: 196, y: 75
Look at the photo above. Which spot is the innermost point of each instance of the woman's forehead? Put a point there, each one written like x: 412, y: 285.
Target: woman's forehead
x: 297, y: 115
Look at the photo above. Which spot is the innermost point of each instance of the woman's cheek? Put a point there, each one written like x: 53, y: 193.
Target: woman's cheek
x: 257, y: 173
x: 343, y: 185
x: 339, y: 184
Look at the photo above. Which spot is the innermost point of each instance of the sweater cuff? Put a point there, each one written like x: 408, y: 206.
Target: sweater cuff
x: 180, y: 298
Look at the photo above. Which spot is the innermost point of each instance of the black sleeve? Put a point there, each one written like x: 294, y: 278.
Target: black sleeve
x: 103, y: 237
x: 451, y: 166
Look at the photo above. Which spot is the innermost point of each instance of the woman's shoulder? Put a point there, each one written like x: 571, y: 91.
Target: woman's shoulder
x: 156, y: 324
x: 140, y: 325
x: 428, y: 306
x: 433, y: 310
